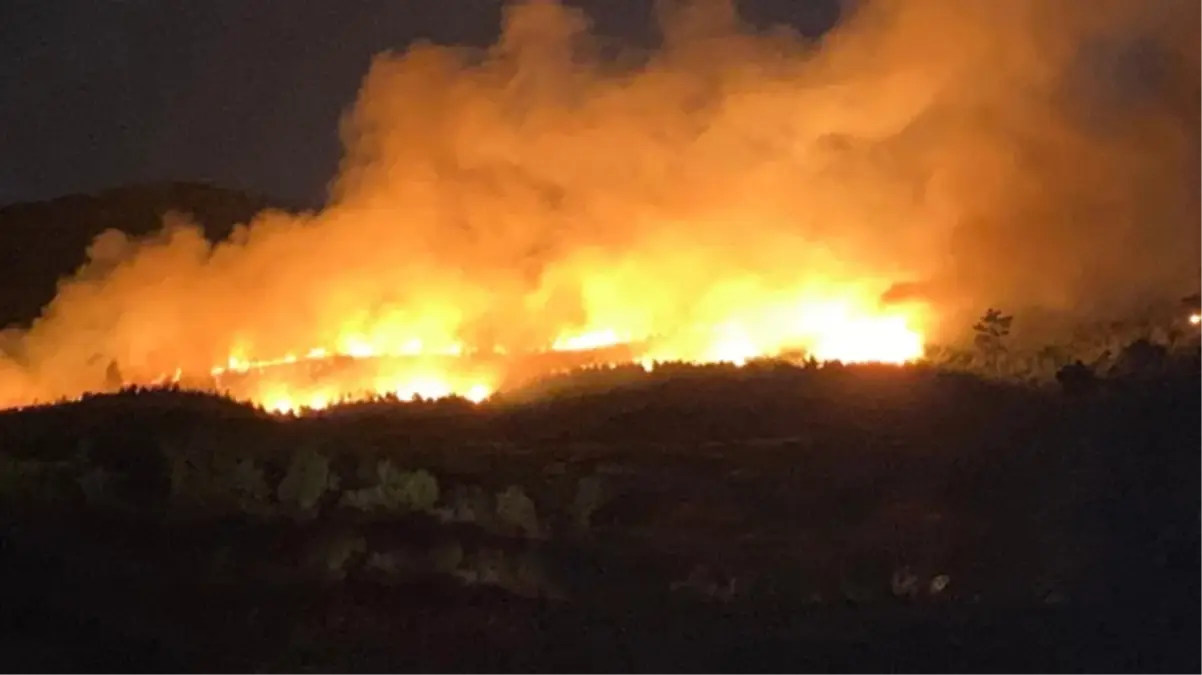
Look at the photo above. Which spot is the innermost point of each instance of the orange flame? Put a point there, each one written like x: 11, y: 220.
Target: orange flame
x: 826, y: 329
x: 734, y: 196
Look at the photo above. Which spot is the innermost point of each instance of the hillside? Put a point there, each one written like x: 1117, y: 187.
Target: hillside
x: 776, y: 519
x: 40, y: 242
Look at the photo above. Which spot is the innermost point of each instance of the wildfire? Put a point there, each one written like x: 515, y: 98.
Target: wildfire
x: 526, y: 209
x: 378, y: 363
x: 827, y: 330
x: 357, y: 372
x: 388, y: 358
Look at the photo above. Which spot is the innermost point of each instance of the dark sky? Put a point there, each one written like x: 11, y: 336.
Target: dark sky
x: 241, y: 93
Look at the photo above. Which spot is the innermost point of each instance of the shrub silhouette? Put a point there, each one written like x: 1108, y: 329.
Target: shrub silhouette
x: 516, y: 512
x: 395, y: 490
x: 990, y: 336
x: 305, y: 482
x: 1141, y: 358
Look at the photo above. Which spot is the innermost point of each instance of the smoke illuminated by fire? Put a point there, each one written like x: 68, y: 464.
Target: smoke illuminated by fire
x: 735, y: 194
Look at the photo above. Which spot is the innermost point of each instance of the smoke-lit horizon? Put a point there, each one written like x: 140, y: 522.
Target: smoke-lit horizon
x: 746, y: 184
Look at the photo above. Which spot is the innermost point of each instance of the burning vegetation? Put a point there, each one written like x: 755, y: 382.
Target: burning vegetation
x: 736, y: 194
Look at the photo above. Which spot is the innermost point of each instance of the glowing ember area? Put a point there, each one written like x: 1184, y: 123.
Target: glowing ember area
x: 1195, y: 319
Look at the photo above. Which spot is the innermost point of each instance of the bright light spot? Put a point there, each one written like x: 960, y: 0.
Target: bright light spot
x: 583, y: 341
x: 1195, y: 319
x: 477, y: 393
x: 357, y: 348
x: 427, y: 388
x: 732, y: 346
x: 883, y: 340
x: 320, y: 401
x: 280, y: 404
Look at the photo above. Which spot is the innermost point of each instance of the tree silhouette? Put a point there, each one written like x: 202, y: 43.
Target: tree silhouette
x: 113, y: 381
x: 991, y: 332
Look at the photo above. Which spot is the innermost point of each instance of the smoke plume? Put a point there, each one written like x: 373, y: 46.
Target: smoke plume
x: 952, y: 155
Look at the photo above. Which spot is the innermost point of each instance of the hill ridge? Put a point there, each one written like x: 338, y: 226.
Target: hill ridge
x: 44, y: 241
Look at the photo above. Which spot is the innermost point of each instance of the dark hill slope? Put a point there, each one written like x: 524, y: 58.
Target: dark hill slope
x: 41, y: 242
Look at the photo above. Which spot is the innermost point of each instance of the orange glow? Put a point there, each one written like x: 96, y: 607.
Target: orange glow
x: 734, y: 194
x: 533, y: 207
x: 827, y: 329
x: 361, y: 368
x: 583, y: 341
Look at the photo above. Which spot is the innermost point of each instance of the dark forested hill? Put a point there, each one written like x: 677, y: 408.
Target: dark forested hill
x: 41, y: 242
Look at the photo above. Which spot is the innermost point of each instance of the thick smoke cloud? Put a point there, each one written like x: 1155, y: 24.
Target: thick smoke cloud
x: 960, y: 153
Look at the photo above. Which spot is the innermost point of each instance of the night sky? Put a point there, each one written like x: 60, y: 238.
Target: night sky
x: 239, y: 93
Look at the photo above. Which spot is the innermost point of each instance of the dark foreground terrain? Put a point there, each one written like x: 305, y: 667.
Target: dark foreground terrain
x: 764, y: 518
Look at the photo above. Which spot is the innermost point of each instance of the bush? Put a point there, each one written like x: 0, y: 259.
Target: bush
x: 590, y: 496
x: 443, y: 559
x: 470, y: 504
x: 306, y: 481
x: 218, y: 481
x: 94, y: 484
x: 332, y: 555
x: 14, y: 478
x: 31, y: 482
x: 395, y: 491
x: 516, y: 513
x: 246, y: 481
x: 521, y: 573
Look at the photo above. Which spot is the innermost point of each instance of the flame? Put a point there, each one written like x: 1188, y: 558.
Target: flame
x: 729, y: 195
x: 589, y: 340
x: 828, y: 329
x: 502, y: 213
x: 1195, y: 319
x: 388, y: 361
